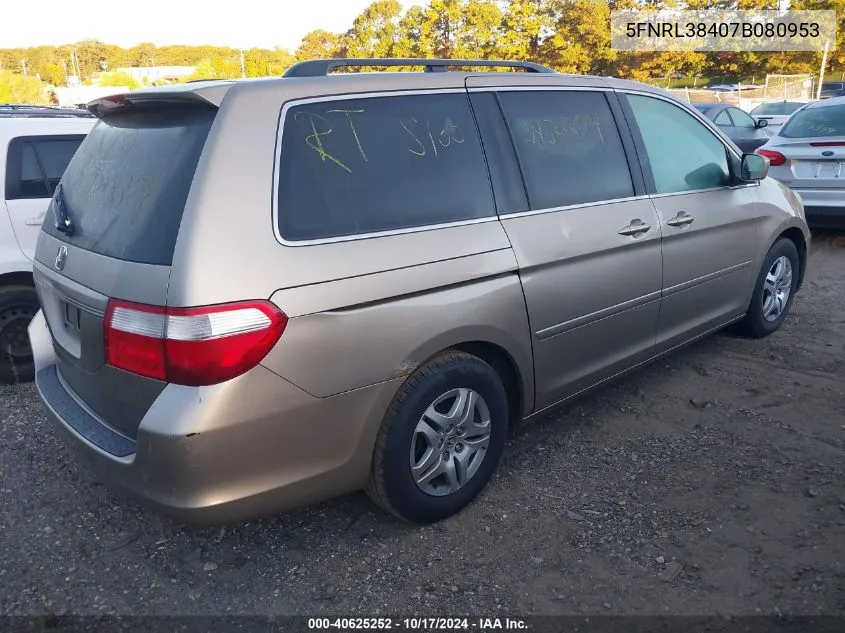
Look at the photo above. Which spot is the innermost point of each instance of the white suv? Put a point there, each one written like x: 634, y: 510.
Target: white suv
x: 36, y: 144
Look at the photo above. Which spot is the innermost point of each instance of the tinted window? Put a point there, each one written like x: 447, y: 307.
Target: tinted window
x: 126, y: 187
x: 36, y: 164
x: 33, y: 183
x: 682, y: 153
x: 820, y: 121
x: 508, y: 187
x: 361, y: 166
x: 741, y: 119
x: 723, y: 118
x: 569, y: 147
x: 776, y: 108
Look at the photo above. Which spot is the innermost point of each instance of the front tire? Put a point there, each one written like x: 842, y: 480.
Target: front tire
x: 441, y: 440
x: 774, y: 291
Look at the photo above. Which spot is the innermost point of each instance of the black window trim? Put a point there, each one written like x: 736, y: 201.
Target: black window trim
x: 734, y: 157
x: 287, y: 105
x: 628, y: 145
x: 14, y: 162
x: 727, y: 113
x: 516, y: 174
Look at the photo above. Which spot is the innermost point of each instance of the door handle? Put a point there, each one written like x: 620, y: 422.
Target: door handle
x: 683, y: 218
x: 36, y: 221
x: 636, y: 227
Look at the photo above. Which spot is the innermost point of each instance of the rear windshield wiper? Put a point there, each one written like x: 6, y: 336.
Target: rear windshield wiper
x: 63, y: 221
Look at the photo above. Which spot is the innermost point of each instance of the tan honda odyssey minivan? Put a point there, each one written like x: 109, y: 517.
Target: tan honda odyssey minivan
x: 259, y: 294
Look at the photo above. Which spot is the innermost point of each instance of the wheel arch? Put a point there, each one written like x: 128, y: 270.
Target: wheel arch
x: 17, y: 278
x: 505, y: 366
x: 796, y: 236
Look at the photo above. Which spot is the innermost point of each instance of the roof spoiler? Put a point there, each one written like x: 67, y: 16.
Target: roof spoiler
x: 141, y: 99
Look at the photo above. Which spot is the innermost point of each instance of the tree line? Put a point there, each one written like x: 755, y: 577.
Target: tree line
x: 571, y: 36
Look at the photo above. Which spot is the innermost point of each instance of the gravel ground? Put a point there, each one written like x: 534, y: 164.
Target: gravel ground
x: 712, y: 482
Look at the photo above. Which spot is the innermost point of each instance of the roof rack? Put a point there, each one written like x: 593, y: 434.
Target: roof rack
x: 8, y: 110
x: 322, y: 67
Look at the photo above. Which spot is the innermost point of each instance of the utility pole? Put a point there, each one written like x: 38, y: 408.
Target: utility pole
x: 243, y: 68
x: 821, y: 70
x: 23, y: 66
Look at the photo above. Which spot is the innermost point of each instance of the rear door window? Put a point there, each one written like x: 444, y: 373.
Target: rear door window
x: 357, y: 166
x: 35, y: 164
x: 126, y: 187
x: 569, y: 147
x: 741, y: 119
x: 723, y: 118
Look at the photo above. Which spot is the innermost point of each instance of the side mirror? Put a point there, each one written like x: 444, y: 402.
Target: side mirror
x: 762, y: 123
x: 754, y: 167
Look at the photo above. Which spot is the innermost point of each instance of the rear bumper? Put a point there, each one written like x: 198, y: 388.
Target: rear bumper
x: 250, y: 447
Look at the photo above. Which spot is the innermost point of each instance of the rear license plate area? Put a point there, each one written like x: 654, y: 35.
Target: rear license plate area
x: 828, y: 169
x: 72, y: 315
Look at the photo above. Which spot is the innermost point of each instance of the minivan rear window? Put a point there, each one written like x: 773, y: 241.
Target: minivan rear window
x: 126, y: 187
x: 356, y: 166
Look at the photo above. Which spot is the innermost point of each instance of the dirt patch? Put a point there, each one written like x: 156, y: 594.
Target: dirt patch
x: 712, y: 482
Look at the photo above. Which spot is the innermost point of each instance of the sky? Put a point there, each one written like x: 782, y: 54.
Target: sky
x: 238, y: 24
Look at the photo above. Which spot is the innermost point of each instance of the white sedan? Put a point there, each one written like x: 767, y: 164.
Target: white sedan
x: 808, y: 155
x: 777, y: 112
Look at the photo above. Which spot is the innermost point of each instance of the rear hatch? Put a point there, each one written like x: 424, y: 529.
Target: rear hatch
x: 122, y: 197
x: 813, y: 163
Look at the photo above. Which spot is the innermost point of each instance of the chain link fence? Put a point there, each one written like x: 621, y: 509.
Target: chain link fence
x: 748, y: 96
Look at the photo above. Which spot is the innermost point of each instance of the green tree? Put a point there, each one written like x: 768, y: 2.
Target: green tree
x: 16, y: 88
x: 581, y: 39
x: 374, y: 32
x: 204, y: 70
x: 450, y: 28
x: 118, y: 78
x: 478, y: 31
x: 318, y: 44
x: 52, y: 73
x: 413, y: 40
x: 525, y: 24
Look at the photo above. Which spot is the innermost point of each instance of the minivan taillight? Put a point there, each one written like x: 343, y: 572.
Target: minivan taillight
x: 191, y: 346
x: 776, y: 159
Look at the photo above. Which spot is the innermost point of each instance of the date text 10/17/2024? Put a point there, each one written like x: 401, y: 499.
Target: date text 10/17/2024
x: 418, y: 624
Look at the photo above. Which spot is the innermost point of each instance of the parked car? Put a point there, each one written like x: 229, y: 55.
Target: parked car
x: 808, y: 155
x: 723, y: 88
x: 36, y: 144
x: 747, y: 133
x: 259, y: 294
x: 832, y: 89
x: 775, y: 113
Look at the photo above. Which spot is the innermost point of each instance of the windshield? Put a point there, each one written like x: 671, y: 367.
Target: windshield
x: 777, y: 107
x: 812, y: 122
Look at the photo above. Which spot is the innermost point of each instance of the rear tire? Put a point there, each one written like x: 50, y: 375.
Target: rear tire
x: 441, y: 439
x: 774, y: 290
x: 18, y: 304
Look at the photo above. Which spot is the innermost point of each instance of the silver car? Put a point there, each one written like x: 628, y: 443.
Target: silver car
x: 808, y: 155
x: 776, y: 113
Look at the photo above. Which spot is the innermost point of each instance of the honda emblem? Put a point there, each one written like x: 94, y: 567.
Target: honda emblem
x: 61, y: 256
